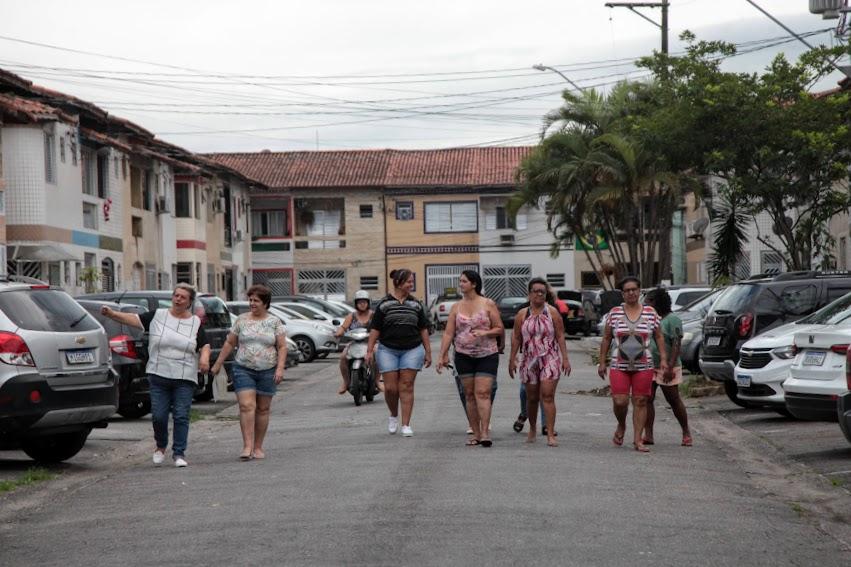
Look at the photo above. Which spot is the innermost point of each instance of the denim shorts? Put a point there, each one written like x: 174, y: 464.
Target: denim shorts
x: 263, y: 381
x: 392, y: 360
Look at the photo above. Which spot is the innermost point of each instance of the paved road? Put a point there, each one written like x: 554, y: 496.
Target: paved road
x: 337, y: 489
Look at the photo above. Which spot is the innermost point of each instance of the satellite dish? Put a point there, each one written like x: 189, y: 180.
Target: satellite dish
x: 700, y: 225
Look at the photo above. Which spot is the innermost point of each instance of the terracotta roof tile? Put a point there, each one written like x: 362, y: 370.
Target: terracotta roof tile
x: 380, y: 168
x: 32, y: 110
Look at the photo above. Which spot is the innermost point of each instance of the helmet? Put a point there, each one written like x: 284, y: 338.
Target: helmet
x: 361, y: 294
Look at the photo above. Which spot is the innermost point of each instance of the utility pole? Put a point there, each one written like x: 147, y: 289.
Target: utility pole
x: 633, y: 7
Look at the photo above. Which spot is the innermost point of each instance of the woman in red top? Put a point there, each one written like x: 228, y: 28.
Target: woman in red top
x: 632, y: 326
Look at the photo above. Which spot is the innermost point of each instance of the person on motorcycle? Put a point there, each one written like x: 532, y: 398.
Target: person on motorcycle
x: 358, y: 320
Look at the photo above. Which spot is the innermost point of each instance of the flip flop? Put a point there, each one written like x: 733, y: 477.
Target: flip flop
x: 247, y: 457
x: 617, y: 439
x: 486, y: 442
x: 647, y: 441
x: 687, y: 442
x: 473, y: 442
x: 519, y: 423
x: 641, y: 448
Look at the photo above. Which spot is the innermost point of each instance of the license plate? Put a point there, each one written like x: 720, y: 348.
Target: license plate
x: 743, y: 381
x: 814, y: 358
x: 80, y: 356
x: 713, y: 341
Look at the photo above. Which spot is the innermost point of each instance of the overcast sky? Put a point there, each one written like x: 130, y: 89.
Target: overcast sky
x: 226, y: 75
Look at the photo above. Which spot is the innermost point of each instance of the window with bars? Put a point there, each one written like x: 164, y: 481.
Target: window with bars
x: 369, y: 282
x: 49, y: 157
x: 103, y: 175
x: 366, y: 211
x: 555, y: 280
x: 451, y: 217
x: 183, y: 272
x: 323, y: 283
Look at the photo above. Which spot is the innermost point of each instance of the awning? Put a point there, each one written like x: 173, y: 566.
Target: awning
x: 42, y: 253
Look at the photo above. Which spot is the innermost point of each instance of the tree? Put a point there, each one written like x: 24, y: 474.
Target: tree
x: 778, y: 148
x: 592, y: 173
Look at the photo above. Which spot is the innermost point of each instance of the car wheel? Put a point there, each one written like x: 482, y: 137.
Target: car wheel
x: 135, y: 410
x: 55, y: 448
x: 732, y: 392
x: 307, y: 348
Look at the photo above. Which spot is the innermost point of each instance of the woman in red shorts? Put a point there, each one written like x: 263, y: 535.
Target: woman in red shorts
x: 632, y: 326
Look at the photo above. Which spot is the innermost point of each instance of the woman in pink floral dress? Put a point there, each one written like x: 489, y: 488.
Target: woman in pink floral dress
x: 540, y: 332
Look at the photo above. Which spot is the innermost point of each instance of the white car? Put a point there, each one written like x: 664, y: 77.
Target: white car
x: 440, y: 308
x: 312, y: 338
x: 311, y: 312
x: 342, y: 305
x: 682, y: 296
x: 817, y: 377
x: 765, y: 361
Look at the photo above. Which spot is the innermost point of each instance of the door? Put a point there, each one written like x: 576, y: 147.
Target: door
x: 438, y: 278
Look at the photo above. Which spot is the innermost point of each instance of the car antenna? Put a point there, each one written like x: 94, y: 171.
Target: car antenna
x: 120, y: 297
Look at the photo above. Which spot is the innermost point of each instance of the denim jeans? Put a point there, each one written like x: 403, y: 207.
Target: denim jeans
x: 460, y: 387
x: 523, y: 404
x: 175, y: 397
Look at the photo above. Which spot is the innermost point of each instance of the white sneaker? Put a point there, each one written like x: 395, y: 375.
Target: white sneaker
x: 392, y: 425
x: 407, y: 431
x: 180, y: 462
x: 158, y: 457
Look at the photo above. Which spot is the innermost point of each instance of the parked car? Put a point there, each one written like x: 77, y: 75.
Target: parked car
x: 766, y: 360
x: 843, y: 405
x: 342, y: 305
x: 440, y: 308
x: 212, y: 311
x: 817, y: 376
x: 575, y: 322
x: 509, y: 307
x: 692, y: 316
x: 311, y: 312
x: 754, y: 306
x: 316, y: 302
x: 56, y: 383
x: 311, y: 338
x: 129, y: 346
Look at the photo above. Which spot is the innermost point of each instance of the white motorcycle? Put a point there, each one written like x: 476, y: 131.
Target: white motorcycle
x: 361, y: 375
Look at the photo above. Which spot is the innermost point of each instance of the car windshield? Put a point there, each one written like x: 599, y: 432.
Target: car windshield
x: 704, y: 303
x: 292, y: 314
x: 46, y: 310
x: 302, y: 310
x: 512, y: 301
x: 332, y: 309
x: 830, y: 314
x: 216, y: 313
x: 735, y: 298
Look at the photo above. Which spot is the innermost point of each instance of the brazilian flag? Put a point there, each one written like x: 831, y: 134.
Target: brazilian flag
x: 594, y: 241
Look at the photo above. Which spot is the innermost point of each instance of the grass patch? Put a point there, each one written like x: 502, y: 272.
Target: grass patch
x: 195, y: 415
x: 797, y: 508
x: 698, y: 386
x: 31, y: 476
x: 836, y: 482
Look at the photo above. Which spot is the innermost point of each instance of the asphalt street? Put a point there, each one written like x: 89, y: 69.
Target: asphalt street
x: 336, y: 489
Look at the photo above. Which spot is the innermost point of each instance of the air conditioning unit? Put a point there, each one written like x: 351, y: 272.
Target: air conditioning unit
x: 506, y: 239
x: 162, y: 205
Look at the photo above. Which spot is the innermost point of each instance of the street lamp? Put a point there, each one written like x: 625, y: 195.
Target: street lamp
x: 541, y: 67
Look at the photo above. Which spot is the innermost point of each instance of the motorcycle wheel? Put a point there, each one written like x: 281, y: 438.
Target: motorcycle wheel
x: 355, y: 386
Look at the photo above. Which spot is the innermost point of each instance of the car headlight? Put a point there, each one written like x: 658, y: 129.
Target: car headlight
x: 785, y: 353
x: 687, y: 337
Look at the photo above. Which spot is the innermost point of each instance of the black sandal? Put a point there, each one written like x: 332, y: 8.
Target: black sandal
x: 518, y: 425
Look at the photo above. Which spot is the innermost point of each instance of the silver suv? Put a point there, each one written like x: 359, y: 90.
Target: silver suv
x: 56, y: 383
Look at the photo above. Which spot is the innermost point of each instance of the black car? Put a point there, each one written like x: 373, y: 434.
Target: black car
x: 509, y: 307
x: 575, y: 322
x: 754, y: 306
x: 129, y: 348
x: 214, y: 314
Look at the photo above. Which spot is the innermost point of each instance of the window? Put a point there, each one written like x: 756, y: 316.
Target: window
x: 771, y: 261
x: 799, y: 299
x: 103, y: 174
x: 49, y: 158
x: 137, y: 226
x: 366, y: 211
x: 2, y: 209
x: 590, y: 279
x: 197, y: 275
x: 183, y: 272
x: 62, y: 149
x: 90, y: 216
x: 268, y: 223
x: 451, y: 217
x: 301, y: 244
x: 181, y: 201
x: 499, y: 219
x: 404, y: 210
x: 148, y: 190
x: 369, y: 282
x: 211, y: 278
x: 325, y: 223
x: 135, y: 188
x: 107, y: 274
x: 72, y: 146
x: 197, y: 202
x: 555, y: 280
x: 88, y: 171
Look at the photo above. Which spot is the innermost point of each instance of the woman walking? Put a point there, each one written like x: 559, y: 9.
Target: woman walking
x: 358, y: 320
x: 175, y: 339
x: 669, y: 380
x: 632, y: 325
x: 399, y: 328
x: 474, y: 326
x: 540, y: 331
x: 260, y: 340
